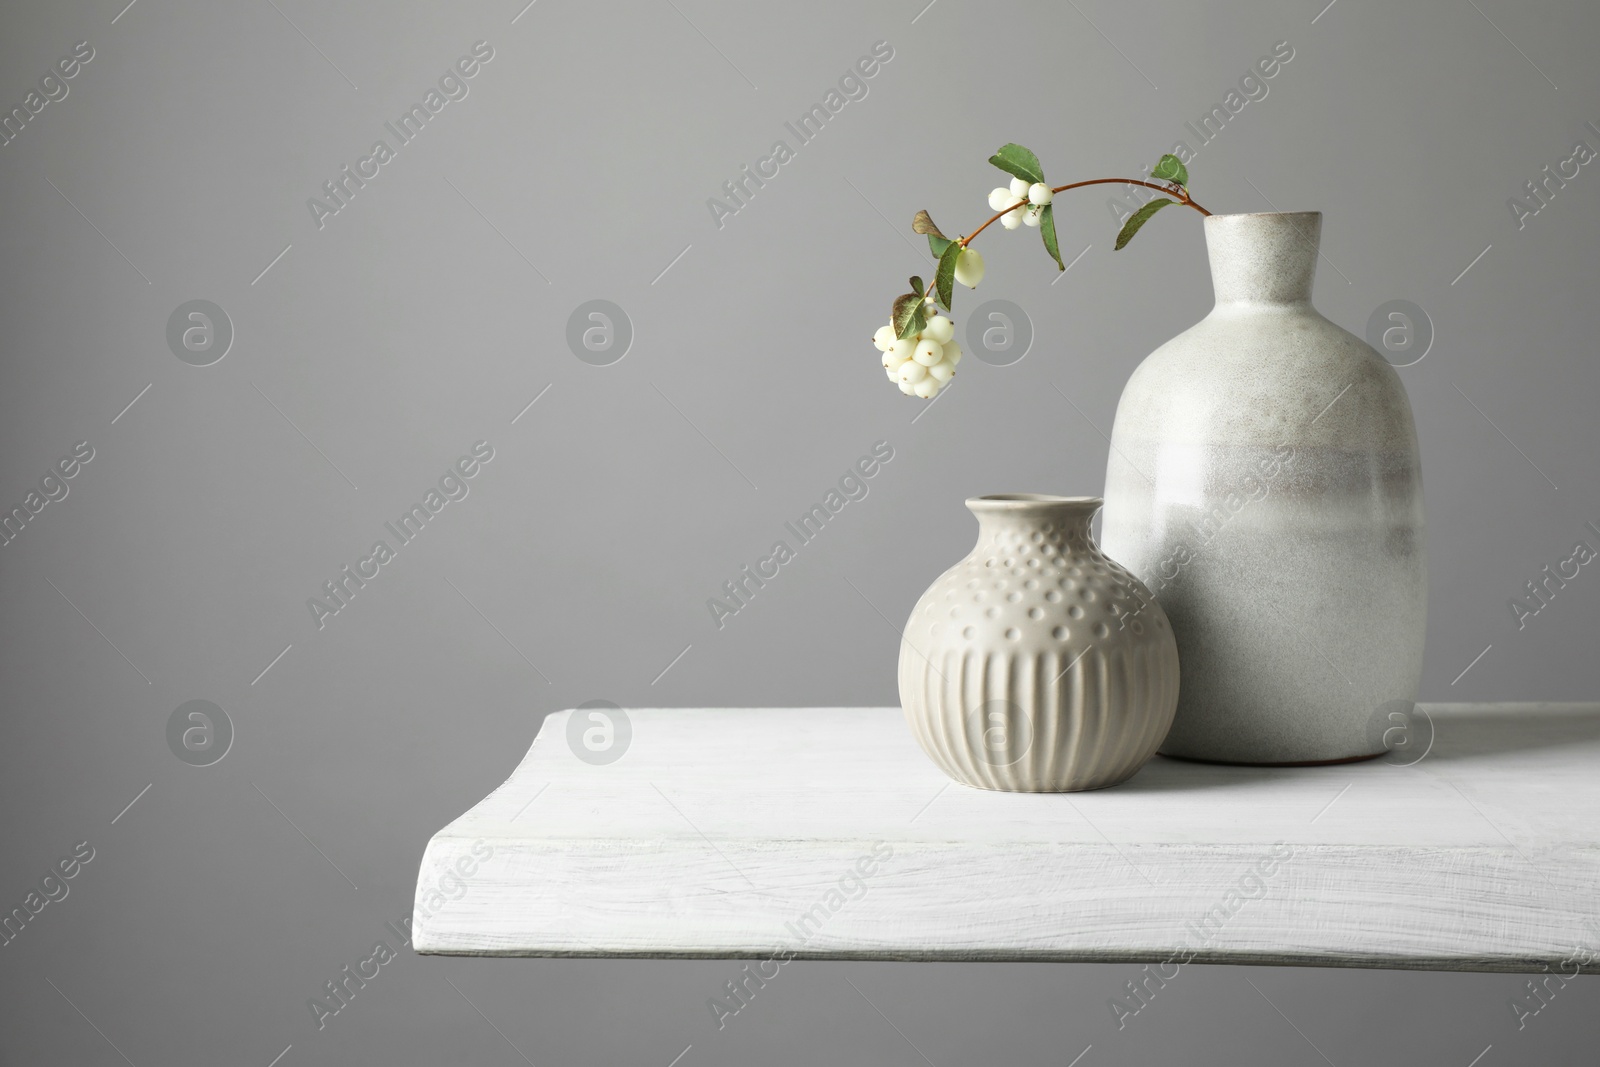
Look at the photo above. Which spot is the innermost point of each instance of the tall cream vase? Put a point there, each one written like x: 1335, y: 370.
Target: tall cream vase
x: 1264, y: 482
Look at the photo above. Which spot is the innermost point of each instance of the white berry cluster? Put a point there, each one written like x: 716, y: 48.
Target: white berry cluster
x: 924, y: 364
x: 1036, y: 196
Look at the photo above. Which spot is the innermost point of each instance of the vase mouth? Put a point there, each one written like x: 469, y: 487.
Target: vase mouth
x: 1033, y: 503
x: 1262, y: 214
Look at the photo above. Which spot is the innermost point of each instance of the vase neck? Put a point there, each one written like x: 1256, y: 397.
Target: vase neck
x: 1015, y: 519
x: 1269, y: 258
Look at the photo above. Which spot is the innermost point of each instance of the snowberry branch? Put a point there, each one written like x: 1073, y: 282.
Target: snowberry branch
x: 1171, y: 190
x: 919, y: 348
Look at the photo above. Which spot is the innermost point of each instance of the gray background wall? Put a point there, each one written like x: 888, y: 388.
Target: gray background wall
x: 427, y: 313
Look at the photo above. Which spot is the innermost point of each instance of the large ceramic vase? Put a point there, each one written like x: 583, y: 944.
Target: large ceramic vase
x: 1037, y: 664
x: 1264, y: 482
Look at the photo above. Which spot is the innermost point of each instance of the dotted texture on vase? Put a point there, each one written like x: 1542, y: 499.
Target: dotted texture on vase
x: 1038, y: 664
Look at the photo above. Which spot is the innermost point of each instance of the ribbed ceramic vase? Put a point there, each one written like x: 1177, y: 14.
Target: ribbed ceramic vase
x: 1037, y: 664
x: 1264, y: 482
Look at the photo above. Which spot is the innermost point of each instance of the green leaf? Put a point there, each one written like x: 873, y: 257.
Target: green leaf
x: 938, y: 244
x: 1019, y: 163
x: 916, y: 286
x: 945, y: 280
x: 1138, y: 219
x: 909, y: 318
x: 923, y: 223
x: 1171, y: 169
x: 1047, y: 230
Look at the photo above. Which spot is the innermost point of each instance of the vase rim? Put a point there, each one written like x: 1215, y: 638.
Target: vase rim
x: 999, y: 503
x: 1257, y: 214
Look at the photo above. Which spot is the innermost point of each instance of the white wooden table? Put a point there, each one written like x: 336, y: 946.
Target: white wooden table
x: 825, y: 833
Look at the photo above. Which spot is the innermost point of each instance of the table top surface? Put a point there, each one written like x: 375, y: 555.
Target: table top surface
x: 826, y: 833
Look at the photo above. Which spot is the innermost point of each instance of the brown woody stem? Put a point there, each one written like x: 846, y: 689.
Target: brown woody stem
x: 1177, y: 191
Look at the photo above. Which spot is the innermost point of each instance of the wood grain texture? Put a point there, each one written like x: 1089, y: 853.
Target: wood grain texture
x: 825, y: 833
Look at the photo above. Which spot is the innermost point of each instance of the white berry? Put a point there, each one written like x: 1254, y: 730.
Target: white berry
x: 1000, y: 199
x: 927, y: 388
x: 894, y: 373
x: 912, y: 372
x: 908, y: 389
x: 969, y: 268
x: 883, y: 338
x: 1030, y: 217
x: 941, y: 371
x: 939, y: 329
x: 1019, y: 188
x: 952, y: 353
x: 1012, y: 219
x: 1039, y: 193
x: 928, y: 352
x: 903, y: 347
x: 892, y: 361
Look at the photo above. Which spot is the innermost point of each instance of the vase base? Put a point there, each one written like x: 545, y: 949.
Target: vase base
x: 1276, y: 763
x: 1042, y: 789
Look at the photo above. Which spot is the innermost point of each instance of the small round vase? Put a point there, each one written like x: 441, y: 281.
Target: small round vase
x: 1037, y: 664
